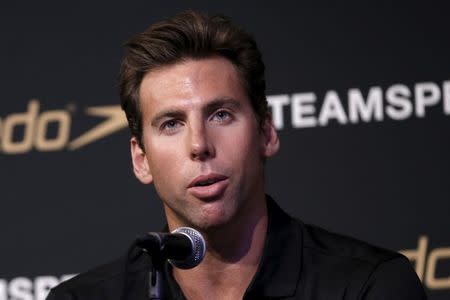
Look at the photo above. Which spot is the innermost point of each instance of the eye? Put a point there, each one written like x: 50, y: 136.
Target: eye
x: 170, y: 126
x: 222, y: 116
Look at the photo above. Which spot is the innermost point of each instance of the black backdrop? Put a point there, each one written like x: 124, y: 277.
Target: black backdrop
x: 379, y: 172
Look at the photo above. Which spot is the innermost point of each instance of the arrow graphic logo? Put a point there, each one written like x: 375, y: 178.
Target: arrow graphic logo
x: 114, y: 121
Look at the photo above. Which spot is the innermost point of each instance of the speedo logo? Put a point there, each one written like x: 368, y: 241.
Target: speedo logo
x: 35, y: 125
x: 428, y: 262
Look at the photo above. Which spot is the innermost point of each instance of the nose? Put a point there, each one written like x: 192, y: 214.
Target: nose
x: 201, y: 145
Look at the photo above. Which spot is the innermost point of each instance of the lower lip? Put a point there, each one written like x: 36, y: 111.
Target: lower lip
x: 209, y: 191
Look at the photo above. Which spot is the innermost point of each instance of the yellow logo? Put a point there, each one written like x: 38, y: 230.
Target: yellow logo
x: 426, y: 262
x: 35, y: 126
x: 114, y: 121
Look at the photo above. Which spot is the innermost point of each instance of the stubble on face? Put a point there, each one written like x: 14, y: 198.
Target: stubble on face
x: 198, y: 120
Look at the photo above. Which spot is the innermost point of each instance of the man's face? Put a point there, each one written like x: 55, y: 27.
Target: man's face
x: 204, y: 148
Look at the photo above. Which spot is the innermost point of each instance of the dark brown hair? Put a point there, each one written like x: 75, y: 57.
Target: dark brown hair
x: 189, y: 35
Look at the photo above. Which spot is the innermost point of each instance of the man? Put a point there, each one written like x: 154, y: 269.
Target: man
x: 193, y: 90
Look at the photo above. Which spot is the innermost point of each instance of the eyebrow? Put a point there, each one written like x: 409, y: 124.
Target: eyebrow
x: 168, y: 113
x: 221, y: 102
x: 207, y: 109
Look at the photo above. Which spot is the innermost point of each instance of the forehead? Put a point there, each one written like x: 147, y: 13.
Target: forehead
x: 189, y: 82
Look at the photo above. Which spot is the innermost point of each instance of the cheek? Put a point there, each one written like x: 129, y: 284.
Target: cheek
x: 241, y: 145
x: 164, y: 159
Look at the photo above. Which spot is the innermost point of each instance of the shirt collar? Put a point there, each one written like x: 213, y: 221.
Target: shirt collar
x: 279, y: 271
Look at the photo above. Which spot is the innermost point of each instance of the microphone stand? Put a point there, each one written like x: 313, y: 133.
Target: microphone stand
x: 184, y: 248
x: 155, y: 278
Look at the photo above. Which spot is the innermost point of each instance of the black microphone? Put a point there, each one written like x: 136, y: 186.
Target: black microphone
x: 184, y: 247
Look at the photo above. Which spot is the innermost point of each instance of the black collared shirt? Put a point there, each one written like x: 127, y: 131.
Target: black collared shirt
x: 299, y: 262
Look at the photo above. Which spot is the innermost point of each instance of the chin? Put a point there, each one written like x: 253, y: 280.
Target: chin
x: 213, y: 218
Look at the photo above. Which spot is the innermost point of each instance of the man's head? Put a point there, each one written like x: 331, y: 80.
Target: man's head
x: 186, y: 36
x: 193, y: 90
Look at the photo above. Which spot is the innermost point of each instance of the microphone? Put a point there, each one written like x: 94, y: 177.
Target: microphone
x: 184, y: 247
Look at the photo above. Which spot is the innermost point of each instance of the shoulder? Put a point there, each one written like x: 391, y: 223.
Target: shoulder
x: 357, y: 268
x: 321, y: 242
x: 109, y: 276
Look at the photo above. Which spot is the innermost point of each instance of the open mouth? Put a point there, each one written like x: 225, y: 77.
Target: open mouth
x: 208, y: 186
x: 206, y: 180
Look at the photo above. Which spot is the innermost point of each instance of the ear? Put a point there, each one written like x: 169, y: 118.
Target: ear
x: 141, y: 166
x: 270, y: 141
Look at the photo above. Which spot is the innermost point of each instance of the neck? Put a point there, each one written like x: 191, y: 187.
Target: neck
x: 233, y: 254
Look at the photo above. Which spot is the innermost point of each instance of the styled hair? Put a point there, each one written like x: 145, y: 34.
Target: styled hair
x: 189, y: 35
